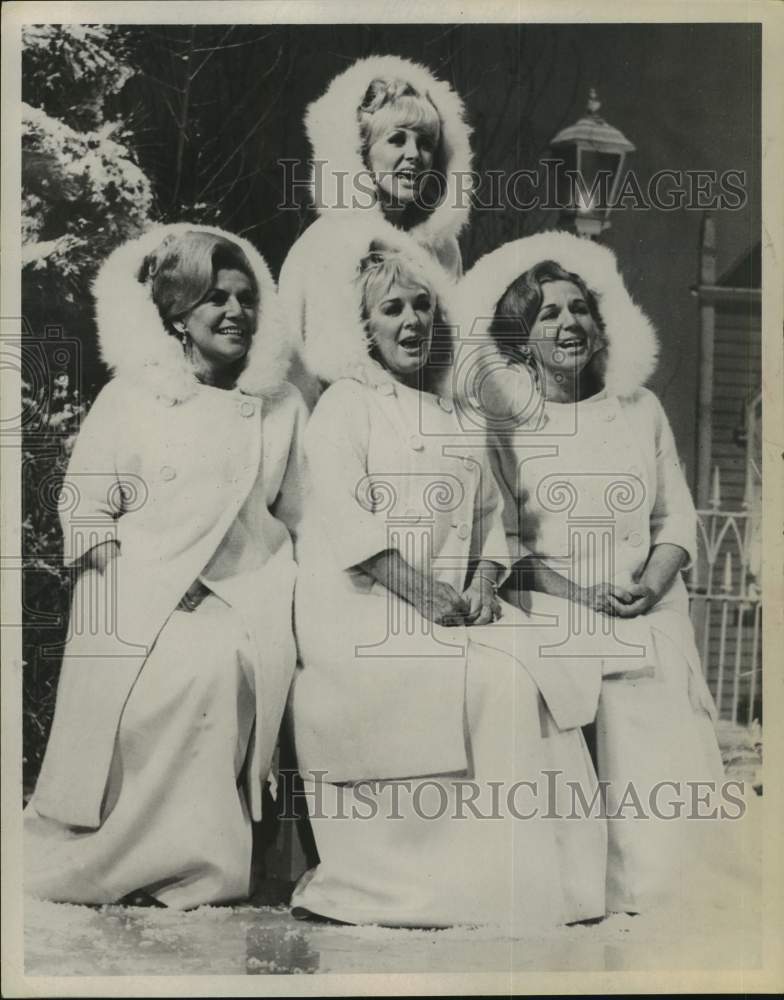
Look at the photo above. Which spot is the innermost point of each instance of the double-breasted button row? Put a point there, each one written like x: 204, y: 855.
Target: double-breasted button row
x: 634, y: 538
x: 247, y: 409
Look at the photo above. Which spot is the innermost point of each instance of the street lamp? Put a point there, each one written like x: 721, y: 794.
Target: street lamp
x: 592, y: 152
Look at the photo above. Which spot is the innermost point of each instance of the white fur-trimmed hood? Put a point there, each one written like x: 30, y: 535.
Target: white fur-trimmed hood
x: 332, y: 126
x: 135, y: 344
x: 632, y: 345
x: 336, y: 345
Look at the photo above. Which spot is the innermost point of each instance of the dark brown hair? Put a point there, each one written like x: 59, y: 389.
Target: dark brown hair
x: 518, y: 307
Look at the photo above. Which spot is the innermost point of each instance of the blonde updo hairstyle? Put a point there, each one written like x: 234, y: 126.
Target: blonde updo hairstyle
x: 390, y: 104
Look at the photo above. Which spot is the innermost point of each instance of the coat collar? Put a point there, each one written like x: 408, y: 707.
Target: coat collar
x: 332, y: 126
x: 336, y: 344
x: 632, y: 345
x: 134, y: 342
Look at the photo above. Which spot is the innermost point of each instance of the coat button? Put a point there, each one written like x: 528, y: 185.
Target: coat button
x: 386, y: 389
x: 445, y: 404
x: 416, y: 442
x: 247, y: 409
x: 168, y: 473
x: 610, y: 415
x: 468, y: 464
x: 463, y: 531
x: 634, y: 538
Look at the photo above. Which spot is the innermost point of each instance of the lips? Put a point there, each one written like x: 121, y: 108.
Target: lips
x: 572, y: 343
x: 231, y: 331
x: 411, y: 343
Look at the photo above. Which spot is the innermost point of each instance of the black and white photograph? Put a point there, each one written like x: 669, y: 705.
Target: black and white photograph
x: 391, y: 587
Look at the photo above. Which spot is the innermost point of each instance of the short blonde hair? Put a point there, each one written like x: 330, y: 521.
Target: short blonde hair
x: 380, y: 270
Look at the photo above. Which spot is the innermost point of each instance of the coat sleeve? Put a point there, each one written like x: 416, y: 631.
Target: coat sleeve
x: 673, y: 518
x: 489, y: 520
x: 93, y: 492
x: 503, y: 465
x: 447, y: 252
x: 340, y: 497
x: 293, y: 299
x: 290, y: 502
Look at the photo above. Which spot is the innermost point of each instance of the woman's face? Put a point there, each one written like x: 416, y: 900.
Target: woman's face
x: 564, y: 336
x: 400, y: 324
x: 398, y: 158
x: 222, y: 325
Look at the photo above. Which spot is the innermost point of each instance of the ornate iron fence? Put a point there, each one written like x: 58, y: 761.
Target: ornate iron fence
x: 726, y: 602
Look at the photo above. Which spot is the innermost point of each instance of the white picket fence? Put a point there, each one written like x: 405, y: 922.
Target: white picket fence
x: 726, y: 603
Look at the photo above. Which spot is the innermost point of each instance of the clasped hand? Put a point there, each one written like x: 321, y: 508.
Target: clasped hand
x: 622, y: 602
x: 442, y: 604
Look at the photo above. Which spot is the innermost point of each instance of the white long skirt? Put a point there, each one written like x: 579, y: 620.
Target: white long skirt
x: 175, y: 821
x: 649, y: 731
x: 412, y: 853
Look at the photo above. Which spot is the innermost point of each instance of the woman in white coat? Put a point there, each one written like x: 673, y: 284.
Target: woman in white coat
x: 182, y: 495
x: 600, y: 522
x: 389, y: 141
x: 413, y: 694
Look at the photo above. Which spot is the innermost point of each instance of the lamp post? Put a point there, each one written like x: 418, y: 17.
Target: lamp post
x: 592, y: 152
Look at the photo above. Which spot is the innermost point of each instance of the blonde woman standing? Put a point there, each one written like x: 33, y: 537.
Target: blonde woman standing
x: 389, y: 143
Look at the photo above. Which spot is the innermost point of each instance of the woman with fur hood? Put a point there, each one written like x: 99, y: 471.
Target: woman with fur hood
x: 184, y: 490
x: 413, y: 695
x: 600, y: 522
x: 388, y: 140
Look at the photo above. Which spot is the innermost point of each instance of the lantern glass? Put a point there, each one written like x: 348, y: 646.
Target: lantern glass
x: 567, y: 165
x: 595, y: 181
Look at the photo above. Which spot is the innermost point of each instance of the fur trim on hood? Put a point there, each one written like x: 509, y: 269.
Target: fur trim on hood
x: 632, y: 345
x: 332, y: 126
x: 336, y: 346
x: 135, y: 343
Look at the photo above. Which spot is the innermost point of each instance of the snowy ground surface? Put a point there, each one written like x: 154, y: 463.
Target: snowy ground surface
x: 64, y: 940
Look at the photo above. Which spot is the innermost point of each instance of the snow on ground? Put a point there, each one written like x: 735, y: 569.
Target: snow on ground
x: 64, y: 940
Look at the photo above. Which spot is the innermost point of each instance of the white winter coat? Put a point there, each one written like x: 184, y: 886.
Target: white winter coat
x: 307, y: 278
x: 603, y: 472
x: 165, y: 465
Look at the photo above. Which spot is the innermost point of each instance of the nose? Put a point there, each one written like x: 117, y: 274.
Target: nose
x: 410, y: 318
x: 233, y: 306
x: 411, y: 149
x: 569, y: 319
